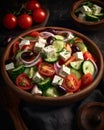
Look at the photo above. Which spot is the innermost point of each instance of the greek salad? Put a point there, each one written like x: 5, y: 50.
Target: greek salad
x: 89, y: 11
x: 51, y: 63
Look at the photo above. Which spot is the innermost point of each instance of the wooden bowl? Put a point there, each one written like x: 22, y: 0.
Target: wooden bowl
x: 83, y: 24
x: 61, y: 100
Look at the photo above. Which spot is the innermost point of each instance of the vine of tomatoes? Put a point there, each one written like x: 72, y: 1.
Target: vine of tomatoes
x: 24, y: 15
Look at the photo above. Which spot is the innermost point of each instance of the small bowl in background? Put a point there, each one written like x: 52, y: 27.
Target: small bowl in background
x: 83, y: 24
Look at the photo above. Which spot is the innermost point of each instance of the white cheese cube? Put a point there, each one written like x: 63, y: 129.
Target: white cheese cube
x: 57, y: 80
x: 39, y: 46
x: 70, y: 36
x: 36, y: 90
x: 42, y: 40
x: 96, y: 9
x: 24, y: 42
x: 49, y: 51
x: 78, y: 55
x: 9, y: 66
x: 64, y: 70
x: 65, y: 55
x: 81, y: 16
x: 85, y: 9
x: 37, y: 77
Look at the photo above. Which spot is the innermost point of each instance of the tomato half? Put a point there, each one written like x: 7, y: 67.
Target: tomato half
x: 71, y: 83
x: 28, y: 47
x: 34, y: 34
x: 24, y: 82
x: 46, y: 69
x: 88, y: 56
x: 86, y: 80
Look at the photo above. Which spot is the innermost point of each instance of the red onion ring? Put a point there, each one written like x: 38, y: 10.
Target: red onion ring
x: 46, y: 34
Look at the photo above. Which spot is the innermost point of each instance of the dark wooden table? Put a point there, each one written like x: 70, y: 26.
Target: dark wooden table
x: 59, y: 16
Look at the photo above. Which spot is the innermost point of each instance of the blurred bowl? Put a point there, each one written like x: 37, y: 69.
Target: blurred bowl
x: 83, y: 24
x: 61, y: 100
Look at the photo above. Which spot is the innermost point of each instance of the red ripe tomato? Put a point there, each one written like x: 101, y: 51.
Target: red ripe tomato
x: 46, y: 69
x: 28, y: 47
x: 15, y: 47
x: 24, y: 82
x: 25, y: 21
x: 34, y: 34
x: 39, y: 15
x: 71, y: 83
x: 31, y: 5
x: 88, y: 56
x: 86, y: 80
x: 9, y: 21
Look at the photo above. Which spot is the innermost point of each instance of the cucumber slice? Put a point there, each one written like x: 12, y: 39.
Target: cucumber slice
x: 52, y: 58
x: 15, y: 72
x: 59, y: 37
x: 76, y: 64
x: 81, y: 46
x: 78, y: 74
x: 88, y: 67
x: 58, y: 45
x: 51, y: 92
x: 100, y: 15
x: 91, y: 18
x: 44, y: 84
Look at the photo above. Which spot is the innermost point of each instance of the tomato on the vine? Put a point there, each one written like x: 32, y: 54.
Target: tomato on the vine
x: 24, y: 21
x: 39, y: 15
x: 9, y: 21
x: 32, y: 4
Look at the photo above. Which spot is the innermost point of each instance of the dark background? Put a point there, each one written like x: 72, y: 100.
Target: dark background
x: 59, y: 16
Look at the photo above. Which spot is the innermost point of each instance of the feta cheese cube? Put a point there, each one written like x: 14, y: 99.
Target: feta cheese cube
x: 70, y: 36
x: 64, y: 71
x: 81, y: 16
x: 65, y: 55
x: 24, y: 42
x: 96, y: 9
x: 39, y: 46
x: 37, y: 77
x: 49, y: 51
x: 85, y: 9
x: 57, y: 80
x: 42, y: 40
x: 78, y: 55
x: 9, y: 66
x: 36, y: 90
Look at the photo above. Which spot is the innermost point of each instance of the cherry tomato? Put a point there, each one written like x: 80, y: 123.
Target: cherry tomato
x: 71, y: 83
x: 39, y: 15
x: 34, y: 34
x: 9, y: 21
x: 31, y: 5
x: 86, y: 80
x: 15, y: 47
x: 25, y: 21
x: 88, y: 56
x: 23, y: 82
x: 46, y: 69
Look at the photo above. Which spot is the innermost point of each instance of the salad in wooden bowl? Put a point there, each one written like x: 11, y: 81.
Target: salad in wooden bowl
x: 52, y: 66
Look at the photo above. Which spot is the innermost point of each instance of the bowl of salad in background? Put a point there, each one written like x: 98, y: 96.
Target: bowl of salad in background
x: 52, y: 66
x: 88, y: 15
